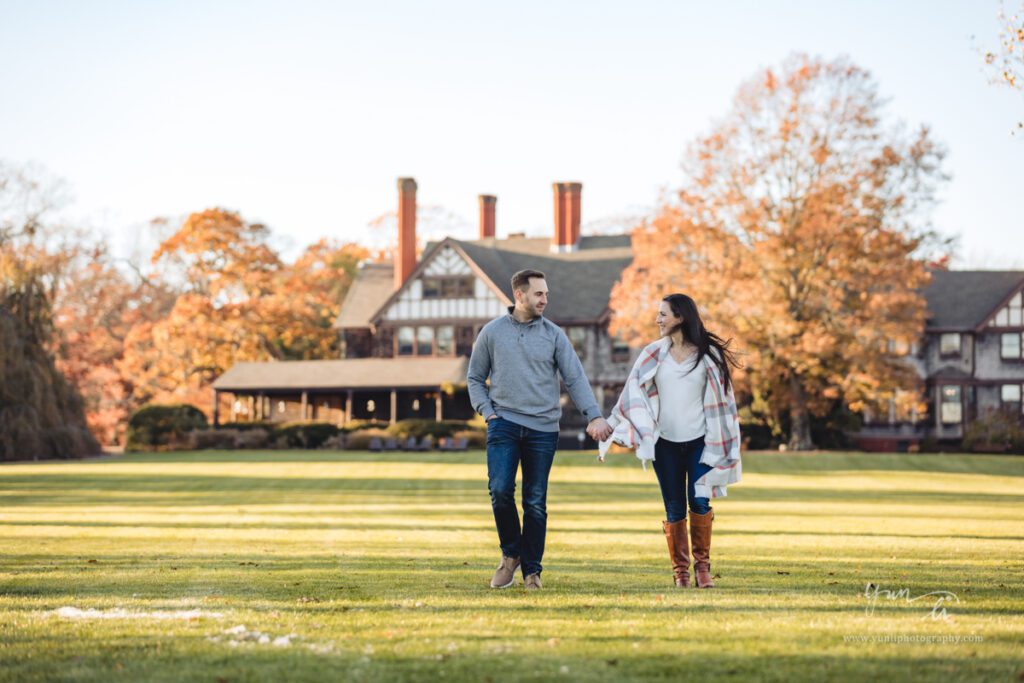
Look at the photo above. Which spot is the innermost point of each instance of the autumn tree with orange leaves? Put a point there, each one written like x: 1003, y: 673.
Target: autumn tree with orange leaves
x: 799, y: 231
x: 96, y: 306
x: 241, y: 302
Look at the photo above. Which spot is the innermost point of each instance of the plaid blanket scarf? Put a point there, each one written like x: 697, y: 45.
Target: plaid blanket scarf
x: 634, y: 420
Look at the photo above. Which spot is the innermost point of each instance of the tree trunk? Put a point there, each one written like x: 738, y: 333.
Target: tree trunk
x: 800, y: 419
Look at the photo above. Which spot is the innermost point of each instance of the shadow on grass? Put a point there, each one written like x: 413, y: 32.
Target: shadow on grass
x: 99, y: 488
x: 484, y: 527
x: 760, y: 462
x: 323, y: 582
x: 527, y: 658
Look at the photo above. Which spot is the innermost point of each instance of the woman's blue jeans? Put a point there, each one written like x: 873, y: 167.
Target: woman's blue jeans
x: 508, y: 445
x: 678, y: 467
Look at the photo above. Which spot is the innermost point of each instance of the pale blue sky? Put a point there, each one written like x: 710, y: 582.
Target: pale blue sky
x: 302, y: 114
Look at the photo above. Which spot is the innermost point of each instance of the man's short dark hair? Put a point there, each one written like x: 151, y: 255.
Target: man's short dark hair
x: 521, y: 280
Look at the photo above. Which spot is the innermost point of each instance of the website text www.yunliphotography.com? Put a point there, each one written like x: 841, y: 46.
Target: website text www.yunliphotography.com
x: 898, y: 638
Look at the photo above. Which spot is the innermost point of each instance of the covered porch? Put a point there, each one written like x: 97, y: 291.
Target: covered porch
x: 340, y: 391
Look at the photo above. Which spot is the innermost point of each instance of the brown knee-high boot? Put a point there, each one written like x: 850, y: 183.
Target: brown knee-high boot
x: 678, y: 551
x: 700, y: 536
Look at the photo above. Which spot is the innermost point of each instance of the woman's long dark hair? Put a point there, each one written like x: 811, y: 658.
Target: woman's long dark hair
x: 694, y: 332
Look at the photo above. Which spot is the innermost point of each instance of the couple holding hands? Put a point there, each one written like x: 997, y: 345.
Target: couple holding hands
x: 677, y: 410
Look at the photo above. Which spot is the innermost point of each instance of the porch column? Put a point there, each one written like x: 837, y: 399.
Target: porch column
x: 251, y: 402
x: 394, y: 407
x: 305, y: 404
x: 600, y: 397
x: 216, y: 408
x: 437, y: 407
x: 348, y: 406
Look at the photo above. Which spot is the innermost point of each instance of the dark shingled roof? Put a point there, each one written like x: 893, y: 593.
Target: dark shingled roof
x: 372, y: 286
x: 963, y: 299
x: 353, y: 373
x: 580, y: 281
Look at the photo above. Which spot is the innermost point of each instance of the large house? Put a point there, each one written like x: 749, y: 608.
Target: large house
x: 971, y: 358
x: 407, y: 328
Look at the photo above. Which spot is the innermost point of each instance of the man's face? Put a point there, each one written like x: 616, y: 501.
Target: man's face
x: 535, y: 299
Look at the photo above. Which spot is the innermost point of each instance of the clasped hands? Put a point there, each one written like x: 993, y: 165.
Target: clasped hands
x: 599, y: 429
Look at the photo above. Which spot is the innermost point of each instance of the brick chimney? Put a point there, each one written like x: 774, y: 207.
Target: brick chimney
x: 488, y: 203
x: 568, y: 198
x: 405, y: 255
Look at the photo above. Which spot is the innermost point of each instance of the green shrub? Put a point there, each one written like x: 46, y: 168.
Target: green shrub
x: 159, y: 427
x: 335, y: 443
x: 360, y: 441
x: 305, y: 434
x: 419, y: 428
x: 996, y: 431
x: 248, y: 426
x: 220, y: 439
x: 252, y: 438
x: 357, y: 425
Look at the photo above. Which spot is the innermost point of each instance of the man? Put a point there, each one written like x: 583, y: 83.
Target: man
x: 523, y: 354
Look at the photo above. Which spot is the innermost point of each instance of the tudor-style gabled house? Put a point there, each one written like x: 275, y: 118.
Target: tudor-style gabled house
x: 407, y: 328
x: 971, y: 358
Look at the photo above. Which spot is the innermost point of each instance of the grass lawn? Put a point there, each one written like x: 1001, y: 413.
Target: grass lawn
x: 308, y: 565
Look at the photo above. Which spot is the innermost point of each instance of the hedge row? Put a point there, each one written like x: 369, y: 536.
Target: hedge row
x: 166, y: 427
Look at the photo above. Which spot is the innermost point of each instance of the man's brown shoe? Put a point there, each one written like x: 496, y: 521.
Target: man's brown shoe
x: 533, y: 582
x: 505, y: 575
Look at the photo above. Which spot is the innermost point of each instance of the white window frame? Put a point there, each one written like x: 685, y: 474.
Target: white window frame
x: 951, y: 412
x: 946, y: 336
x: 1012, y: 314
x: 1020, y: 345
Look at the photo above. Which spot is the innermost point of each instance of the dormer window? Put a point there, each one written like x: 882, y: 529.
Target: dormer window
x: 1010, y: 315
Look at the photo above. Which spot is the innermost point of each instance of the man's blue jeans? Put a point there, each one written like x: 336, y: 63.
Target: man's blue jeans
x: 508, y: 445
x: 678, y: 467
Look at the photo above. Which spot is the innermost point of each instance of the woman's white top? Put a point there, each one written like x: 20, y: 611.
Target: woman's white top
x: 681, y: 395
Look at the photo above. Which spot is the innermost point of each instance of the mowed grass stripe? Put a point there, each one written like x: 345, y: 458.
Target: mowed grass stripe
x: 378, y: 564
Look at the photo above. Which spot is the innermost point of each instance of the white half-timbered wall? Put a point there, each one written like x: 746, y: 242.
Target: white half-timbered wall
x: 411, y: 305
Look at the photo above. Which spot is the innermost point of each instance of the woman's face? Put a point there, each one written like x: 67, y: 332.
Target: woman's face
x: 666, y: 318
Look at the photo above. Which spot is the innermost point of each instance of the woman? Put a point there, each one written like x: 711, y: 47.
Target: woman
x: 678, y: 410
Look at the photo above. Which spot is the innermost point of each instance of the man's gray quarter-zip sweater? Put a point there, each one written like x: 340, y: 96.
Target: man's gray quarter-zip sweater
x: 523, y: 362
